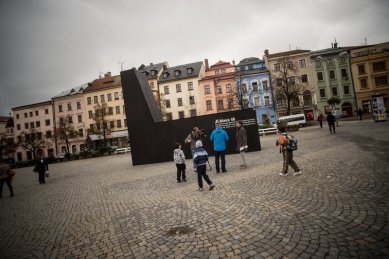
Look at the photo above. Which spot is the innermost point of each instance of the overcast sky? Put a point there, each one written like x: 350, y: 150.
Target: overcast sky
x: 48, y: 46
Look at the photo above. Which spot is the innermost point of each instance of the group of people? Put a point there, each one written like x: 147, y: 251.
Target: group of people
x: 330, y: 119
x: 219, y: 138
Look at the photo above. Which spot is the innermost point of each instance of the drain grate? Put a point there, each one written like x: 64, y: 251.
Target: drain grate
x: 178, y: 231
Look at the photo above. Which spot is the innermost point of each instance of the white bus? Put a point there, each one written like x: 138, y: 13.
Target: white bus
x: 296, y: 119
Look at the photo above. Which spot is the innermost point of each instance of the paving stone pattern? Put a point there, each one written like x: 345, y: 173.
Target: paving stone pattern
x: 106, y: 208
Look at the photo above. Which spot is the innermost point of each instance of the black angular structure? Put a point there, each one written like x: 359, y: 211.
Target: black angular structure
x: 152, y: 140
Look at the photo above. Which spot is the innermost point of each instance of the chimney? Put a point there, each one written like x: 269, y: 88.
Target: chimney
x: 108, y: 74
x: 151, y: 64
x: 332, y: 45
x: 335, y: 45
x: 206, y: 64
x: 233, y: 62
x: 164, y: 67
x: 266, y: 52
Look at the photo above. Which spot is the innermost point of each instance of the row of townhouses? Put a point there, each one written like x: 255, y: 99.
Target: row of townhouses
x: 290, y: 82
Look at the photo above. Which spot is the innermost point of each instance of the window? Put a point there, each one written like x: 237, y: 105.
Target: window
x: 244, y: 88
x: 78, y: 105
x: 304, y: 78
x: 95, y: 99
x: 125, y: 123
x: 177, y: 72
x: 39, y: 136
x: 220, y: 105
x: 46, y: 112
x: 302, y: 63
x: 60, y: 108
x: 32, y: 125
x: 228, y: 88
x: 117, y: 109
x: 165, y: 75
x: 318, y: 63
x: 18, y: 126
x: 332, y: 74
x: 320, y: 76
x: 47, y: 122
x: 36, y: 113
x: 344, y: 72
x: 209, y: 105
x: 48, y: 134
x: 276, y: 67
x: 223, y: 71
x: 37, y: 124
x: 89, y: 100
x: 265, y: 85
x: 267, y: 100
x: 31, y: 114
x: 25, y: 115
x: 81, y: 132
x: 279, y: 81
x: 69, y: 106
x: 363, y: 83
x: 109, y: 97
x: 361, y: 69
x: 381, y: 81
x: 167, y: 103
x: 119, y: 123
x: 17, y: 116
x: 207, y: 89
x: 61, y: 121
x: 191, y: 100
x: 256, y: 101
x: 91, y: 126
x: 179, y: 101
x: 322, y: 93
x: 230, y: 103
x: 291, y: 80
x: 193, y: 113
x: 289, y: 65
x: 181, y: 115
x: 70, y: 119
x: 110, y: 110
x: 346, y: 89
x: 334, y: 91
x: 295, y: 101
x: 169, y: 116
x: 26, y: 125
x: 379, y: 66
x: 190, y: 86
x: 112, y: 124
x: 189, y: 70
x: 116, y: 95
x: 166, y: 89
x: 217, y: 72
x: 218, y: 89
x: 255, y: 86
x: 307, y: 98
x: 245, y: 103
x: 90, y: 114
x: 178, y: 88
x: 79, y: 118
x: 102, y: 98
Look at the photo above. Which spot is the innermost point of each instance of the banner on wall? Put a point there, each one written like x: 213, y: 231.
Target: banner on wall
x: 378, y: 107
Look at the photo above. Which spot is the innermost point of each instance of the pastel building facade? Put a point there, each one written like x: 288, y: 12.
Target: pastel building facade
x: 217, y: 89
x: 34, y: 121
x: 370, y: 71
x: 179, y: 90
x: 254, y: 89
x: 69, y: 111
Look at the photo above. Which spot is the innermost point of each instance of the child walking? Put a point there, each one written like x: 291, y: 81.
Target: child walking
x: 200, y: 158
x: 179, y: 158
x: 288, y: 155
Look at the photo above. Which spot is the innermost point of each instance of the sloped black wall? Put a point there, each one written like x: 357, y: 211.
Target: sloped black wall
x: 152, y: 140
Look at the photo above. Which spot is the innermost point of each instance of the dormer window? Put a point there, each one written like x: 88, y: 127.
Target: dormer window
x: 223, y: 71
x: 146, y: 73
x: 217, y: 72
x: 189, y: 70
x: 153, y: 72
x: 177, y: 72
x: 165, y: 75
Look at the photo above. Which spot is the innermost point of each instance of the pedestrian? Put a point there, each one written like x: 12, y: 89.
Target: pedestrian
x: 331, y: 122
x: 6, y: 175
x: 320, y: 120
x: 200, y: 159
x: 195, y: 135
x: 287, y: 154
x: 179, y: 158
x: 360, y: 113
x: 241, y: 143
x: 219, y: 138
x: 41, y: 167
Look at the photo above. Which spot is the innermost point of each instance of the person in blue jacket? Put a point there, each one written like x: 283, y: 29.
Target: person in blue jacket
x: 200, y: 158
x: 219, y: 138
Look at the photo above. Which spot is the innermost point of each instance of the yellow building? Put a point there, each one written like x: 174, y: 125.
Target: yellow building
x: 104, y: 111
x: 370, y: 70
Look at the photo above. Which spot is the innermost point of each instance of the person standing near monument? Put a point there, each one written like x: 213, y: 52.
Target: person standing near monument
x: 241, y: 143
x: 191, y: 139
x: 179, y: 158
x: 219, y: 137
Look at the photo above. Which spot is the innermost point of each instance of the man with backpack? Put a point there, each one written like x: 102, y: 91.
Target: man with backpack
x: 331, y: 122
x: 288, y: 144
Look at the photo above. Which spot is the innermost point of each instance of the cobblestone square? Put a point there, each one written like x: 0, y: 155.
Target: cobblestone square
x: 106, y: 208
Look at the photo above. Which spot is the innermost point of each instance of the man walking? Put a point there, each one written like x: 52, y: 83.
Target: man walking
x: 331, y: 122
x: 6, y: 174
x: 360, y: 113
x: 241, y: 143
x: 219, y: 138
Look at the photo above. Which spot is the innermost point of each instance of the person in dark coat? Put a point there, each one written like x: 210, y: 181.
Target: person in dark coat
x: 6, y: 174
x: 331, y: 122
x: 200, y: 159
x: 196, y: 134
x: 241, y: 142
x: 41, y: 167
x: 360, y: 113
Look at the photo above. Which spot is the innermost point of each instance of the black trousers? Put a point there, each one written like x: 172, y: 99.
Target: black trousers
x: 222, y: 155
x: 321, y: 124
x: 202, y: 172
x: 181, y: 172
x: 42, y: 177
x: 332, y: 126
x: 8, y: 182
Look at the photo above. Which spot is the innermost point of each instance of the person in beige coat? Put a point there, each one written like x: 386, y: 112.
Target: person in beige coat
x: 6, y: 174
x: 241, y: 143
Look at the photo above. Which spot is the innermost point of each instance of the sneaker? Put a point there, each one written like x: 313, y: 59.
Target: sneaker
x: 224, y: 171
x: 297, y: 173
x: 178, y: 181
x: 200, y: 189
x: 243, y: 166
x: 184, y: 180
x: 211, y: 187
x: 282, y: 174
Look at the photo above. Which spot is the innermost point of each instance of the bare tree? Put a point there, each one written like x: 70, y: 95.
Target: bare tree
x: 66, y: 131
x: 102, y: 126
x: 285, y: 86
x: 31, y: 140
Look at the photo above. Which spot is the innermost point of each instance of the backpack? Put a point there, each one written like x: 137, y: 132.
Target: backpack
x: 290, y: 142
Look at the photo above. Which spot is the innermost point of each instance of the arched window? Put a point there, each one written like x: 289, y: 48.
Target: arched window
x: 63, y: 149
x: 74, y: 149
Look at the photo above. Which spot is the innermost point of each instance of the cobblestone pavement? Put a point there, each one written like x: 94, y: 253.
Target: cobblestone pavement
x: 106, y: 208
